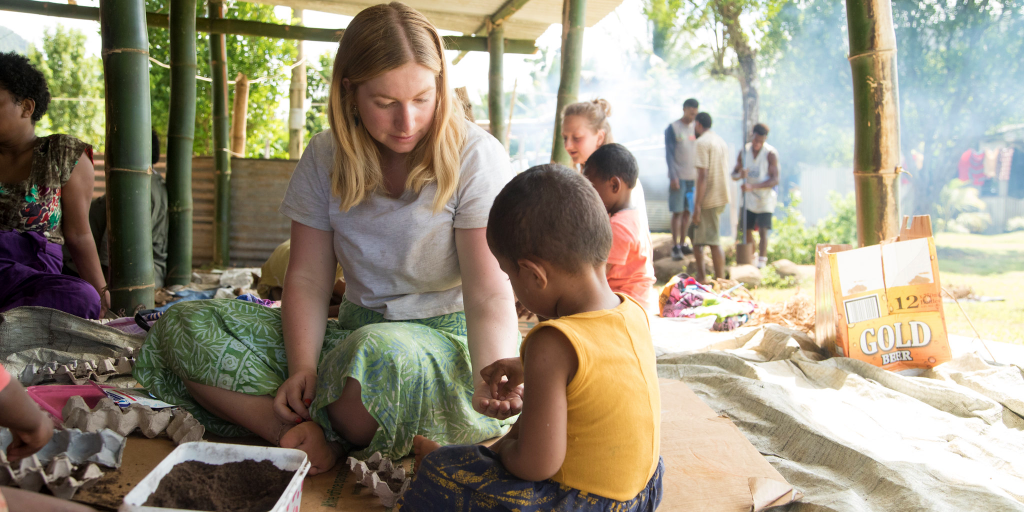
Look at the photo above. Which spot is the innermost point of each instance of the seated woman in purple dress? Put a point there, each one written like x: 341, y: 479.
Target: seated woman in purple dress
x: 45, y: 189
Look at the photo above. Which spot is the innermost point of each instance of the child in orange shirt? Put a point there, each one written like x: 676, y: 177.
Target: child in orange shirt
x: 31, y: 430
x: 613, y: 172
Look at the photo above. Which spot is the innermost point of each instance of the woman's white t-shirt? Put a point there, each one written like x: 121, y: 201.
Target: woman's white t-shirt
x: 399, y: 257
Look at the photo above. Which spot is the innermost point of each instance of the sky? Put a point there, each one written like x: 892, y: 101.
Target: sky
x: 623, y: 26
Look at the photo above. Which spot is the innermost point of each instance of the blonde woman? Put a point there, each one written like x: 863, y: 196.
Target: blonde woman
x: 398, y: 192
x: 585, y: 128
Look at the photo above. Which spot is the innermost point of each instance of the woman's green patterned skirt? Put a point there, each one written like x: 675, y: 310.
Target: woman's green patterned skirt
x: 416, y: 375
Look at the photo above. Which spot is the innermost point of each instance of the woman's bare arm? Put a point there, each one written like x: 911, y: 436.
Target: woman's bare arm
x: 307, y: 292
x: 76, y: 196
x: 490, y: 314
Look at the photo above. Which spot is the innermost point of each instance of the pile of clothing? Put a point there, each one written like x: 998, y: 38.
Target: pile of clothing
x: 684, y: 297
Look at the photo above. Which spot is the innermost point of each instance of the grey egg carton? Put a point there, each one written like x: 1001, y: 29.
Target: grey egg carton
x: 380, y: 474
x: 79, y: 371
x: 68, y: 463
x: 179, y: 424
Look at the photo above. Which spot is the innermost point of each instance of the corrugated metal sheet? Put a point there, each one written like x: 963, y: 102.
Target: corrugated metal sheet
x: 257, y: 189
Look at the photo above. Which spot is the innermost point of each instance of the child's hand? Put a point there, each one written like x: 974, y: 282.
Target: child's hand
x: 27, y: 442
x: 504, y: 376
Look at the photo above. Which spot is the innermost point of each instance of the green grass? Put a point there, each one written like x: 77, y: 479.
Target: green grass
x: 992, y: 265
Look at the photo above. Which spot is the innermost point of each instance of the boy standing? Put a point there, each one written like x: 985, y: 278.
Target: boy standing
x: 588, y: 437
x: 758, y: 166
x: 680, y: 145
x: 711, y: 161
x: 613, y: 171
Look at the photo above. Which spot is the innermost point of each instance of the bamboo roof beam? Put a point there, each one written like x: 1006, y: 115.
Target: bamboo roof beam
x: 249, y: 28
x: 505, y: 12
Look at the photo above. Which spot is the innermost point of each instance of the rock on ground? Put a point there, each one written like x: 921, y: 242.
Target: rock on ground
x: 746, y: 274
x: 666, y: 268
x: 662, y: 244
x: 786, y: 268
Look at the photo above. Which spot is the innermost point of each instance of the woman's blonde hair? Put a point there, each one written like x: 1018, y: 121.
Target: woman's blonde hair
x: 379, y: 39
x: 596, y: 112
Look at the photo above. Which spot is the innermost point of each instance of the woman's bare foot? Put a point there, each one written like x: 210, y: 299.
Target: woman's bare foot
x: 421, y: 446
x: 309, y: 437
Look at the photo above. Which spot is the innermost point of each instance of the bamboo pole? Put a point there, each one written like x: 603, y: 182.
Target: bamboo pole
x: 511, y: 110
x: 238, y: 115
x: 495, y: 87
x: 297, y: 100
x: 249, y: 28
x: 129, y: 148
x: 180, y: 132
x: 222, y: 160
x: 573, y: 19
x: 876, y: 155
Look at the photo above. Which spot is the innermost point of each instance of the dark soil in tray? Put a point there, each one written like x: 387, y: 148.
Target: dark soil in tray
x: 236, y: 486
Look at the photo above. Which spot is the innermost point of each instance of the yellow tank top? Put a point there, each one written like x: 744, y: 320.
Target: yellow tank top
x: 614, y: 407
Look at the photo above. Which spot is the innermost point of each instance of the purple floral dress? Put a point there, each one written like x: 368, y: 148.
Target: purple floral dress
x: 31, y: 234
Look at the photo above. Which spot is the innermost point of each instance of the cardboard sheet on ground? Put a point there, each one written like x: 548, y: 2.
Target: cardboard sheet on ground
x: 709, y: 466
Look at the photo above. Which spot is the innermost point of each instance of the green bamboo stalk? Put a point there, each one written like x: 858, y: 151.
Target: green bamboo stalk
x: 249, y: 28
x: 876, y: 111
x: 221, y: 157
x: 129, y: 147
x: 180, y: 132
x: 503, y: 13
x: 573, y: 19
x: 495, y: 87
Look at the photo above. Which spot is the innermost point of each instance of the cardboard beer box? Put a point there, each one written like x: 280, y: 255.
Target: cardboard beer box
x: 883, y: 304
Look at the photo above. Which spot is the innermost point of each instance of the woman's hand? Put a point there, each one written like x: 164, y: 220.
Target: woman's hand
x: 501, y: 396
x: 294, y: 396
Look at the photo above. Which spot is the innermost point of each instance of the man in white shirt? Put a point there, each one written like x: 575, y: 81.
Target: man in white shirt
x: 680, y: 144
x: 758, y: 165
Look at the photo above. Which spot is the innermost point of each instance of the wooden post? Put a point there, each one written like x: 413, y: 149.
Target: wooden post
x: 495, y: 87
x: 221, y: 158
x: 297, y: 90
x: 180, y: 131
x: 129, y: 147
x: 876, y: 154
x: 573, y: 16
x: 238, y: 115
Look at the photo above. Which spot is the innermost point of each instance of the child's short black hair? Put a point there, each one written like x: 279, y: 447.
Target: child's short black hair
x: 22, y: 80
x: 704, y: 119
x: 613, y: 160
x: 691, y: 103
x: 553, y: 213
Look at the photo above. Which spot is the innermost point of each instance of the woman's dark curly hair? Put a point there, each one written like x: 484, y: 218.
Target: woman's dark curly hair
x: 22, y: 80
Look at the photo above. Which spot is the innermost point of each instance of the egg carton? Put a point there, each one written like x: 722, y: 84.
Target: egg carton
x: 179, y: 424
x: 79, y: 371
x: 60, y: 476
x: 380, y: 474
x: 104, y: 448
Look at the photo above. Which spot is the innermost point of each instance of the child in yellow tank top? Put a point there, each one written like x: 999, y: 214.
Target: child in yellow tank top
x: 588, y: 435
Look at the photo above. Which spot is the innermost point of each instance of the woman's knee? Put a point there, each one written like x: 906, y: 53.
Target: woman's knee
x: 349, y: 416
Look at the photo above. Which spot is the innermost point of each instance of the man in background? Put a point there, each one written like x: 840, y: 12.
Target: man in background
x: 712, y: 195
x: 680, y: 144
x: 758, y: 165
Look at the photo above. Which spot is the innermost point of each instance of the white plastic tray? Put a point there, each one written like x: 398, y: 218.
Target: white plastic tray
x: 219, y: 453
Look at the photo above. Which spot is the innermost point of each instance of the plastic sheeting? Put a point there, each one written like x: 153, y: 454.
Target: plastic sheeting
x: 854, y: 437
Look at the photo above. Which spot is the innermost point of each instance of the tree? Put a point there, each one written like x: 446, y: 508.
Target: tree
x: 257, y: 57
x: 71, y: 74
x: 318, y: 89
x: 743, y: 38
x: 960, y: 76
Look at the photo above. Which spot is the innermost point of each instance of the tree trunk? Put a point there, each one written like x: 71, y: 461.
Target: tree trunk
x: 180, y: 131
x: 746, y: 72
x: 238, y: 115
x: 297, y: 98
x: 128, y: 153
x: 221, y: 158
x: 876, y: 155
x: 573, y: 16
x: 495, y: 85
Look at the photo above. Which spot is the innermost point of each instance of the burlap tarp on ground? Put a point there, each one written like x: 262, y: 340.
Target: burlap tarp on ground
x: 854, y: 437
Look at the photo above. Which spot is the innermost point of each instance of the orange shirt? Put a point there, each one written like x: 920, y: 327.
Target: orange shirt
x: 5, y: 378
x: 631, y: 260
